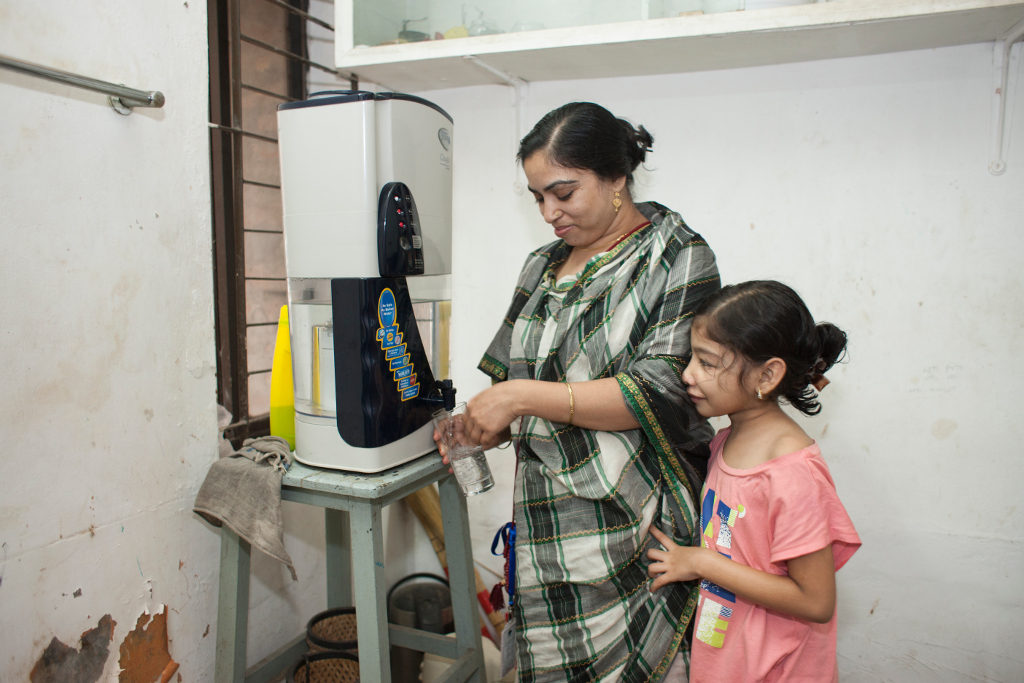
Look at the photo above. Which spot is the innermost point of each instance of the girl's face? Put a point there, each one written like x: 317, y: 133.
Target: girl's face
x: 715, y: 377
x: 575, y: 201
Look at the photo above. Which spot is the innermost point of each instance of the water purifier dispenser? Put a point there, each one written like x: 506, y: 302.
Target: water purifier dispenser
x: 366, y: 183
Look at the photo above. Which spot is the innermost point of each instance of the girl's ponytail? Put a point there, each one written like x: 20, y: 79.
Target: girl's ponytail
x: 831, y: 344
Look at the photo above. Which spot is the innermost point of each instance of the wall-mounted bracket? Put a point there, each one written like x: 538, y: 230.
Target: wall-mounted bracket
x: 1002, y: 57
x: 518, y: 84
x: 520, y: 87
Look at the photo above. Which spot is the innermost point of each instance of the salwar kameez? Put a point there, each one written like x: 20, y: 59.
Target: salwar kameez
x: 584, y: 499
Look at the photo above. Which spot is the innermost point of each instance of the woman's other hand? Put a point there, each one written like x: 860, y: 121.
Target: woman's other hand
x: 440, y: 446
x: 674, y: 563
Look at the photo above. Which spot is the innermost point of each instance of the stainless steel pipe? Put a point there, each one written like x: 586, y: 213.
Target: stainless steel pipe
x: 121, y: 98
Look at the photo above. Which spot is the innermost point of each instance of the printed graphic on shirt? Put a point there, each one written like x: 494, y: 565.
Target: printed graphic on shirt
x: 716, y: 604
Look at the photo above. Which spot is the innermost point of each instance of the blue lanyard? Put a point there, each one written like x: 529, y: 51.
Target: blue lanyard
x: 507, y: 536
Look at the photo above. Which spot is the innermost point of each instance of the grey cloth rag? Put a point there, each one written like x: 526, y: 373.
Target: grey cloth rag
x: 243, y: 490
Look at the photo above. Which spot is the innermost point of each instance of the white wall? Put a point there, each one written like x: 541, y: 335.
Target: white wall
x: 108, y: 408
x: 864, y: 184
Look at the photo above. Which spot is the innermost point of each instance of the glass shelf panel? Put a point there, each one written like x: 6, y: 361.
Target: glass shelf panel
x: 389, y: 22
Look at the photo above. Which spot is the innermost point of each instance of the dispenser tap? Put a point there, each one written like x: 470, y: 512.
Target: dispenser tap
x: 447, y: 393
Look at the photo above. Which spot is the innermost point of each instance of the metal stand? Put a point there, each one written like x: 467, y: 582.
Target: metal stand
x: 355, y: 557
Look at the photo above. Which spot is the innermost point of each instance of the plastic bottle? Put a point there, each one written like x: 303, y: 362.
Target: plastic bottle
x: 282, y: 391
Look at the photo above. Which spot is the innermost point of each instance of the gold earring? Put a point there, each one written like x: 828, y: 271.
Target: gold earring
x: 616, y: 202
x: 759, y: 397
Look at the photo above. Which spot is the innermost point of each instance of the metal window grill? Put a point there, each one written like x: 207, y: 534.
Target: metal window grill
x: 259, y: 58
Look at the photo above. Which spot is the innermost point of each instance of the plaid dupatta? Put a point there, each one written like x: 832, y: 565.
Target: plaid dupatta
x: 584, y: 499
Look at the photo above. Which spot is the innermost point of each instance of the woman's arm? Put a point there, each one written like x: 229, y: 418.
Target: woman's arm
x: 596, y: 404
x: 808, y: 592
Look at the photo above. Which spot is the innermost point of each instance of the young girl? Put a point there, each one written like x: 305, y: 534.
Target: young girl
x: 773, y: 531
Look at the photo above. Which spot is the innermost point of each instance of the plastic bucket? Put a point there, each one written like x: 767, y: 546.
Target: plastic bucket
x: 421, y: 601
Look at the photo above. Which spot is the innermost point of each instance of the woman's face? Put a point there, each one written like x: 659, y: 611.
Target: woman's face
x: 574, y: 201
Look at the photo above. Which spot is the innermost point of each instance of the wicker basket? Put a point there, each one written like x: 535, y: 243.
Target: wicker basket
x: 333, y: 630
x: 325, y: 667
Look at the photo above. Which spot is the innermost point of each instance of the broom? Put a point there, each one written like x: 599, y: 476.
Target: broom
x: 426, y: 505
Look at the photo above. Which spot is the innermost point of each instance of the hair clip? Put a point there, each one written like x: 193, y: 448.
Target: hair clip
x: 818, y: 380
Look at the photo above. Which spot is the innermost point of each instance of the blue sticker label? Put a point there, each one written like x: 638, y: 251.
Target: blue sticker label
x: 389, y: 336
x: 392, y: 344
x: 394, y: 351
x: 387, y: 310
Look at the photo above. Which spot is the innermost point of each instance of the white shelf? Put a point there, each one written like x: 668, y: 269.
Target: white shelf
x: 842, y: 28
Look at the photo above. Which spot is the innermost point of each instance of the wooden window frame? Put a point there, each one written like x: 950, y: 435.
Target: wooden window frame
x: 227, y: 181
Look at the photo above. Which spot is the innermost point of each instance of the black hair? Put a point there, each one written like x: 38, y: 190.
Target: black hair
x: 587, y: 136
x: 764, y: 319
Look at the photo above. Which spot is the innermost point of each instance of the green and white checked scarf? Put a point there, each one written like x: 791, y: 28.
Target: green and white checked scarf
x: 584, y: 499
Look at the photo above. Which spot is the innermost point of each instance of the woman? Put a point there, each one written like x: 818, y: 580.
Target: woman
x: 587, y: 369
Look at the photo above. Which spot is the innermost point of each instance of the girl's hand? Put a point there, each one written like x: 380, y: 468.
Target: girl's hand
x: 675, y: 563
x: 808, y: 592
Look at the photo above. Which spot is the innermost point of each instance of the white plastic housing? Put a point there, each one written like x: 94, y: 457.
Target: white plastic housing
x: 337, y: 153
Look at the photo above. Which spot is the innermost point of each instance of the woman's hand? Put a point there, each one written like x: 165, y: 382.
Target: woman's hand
x: 675, y: 563
x: 490, y: 413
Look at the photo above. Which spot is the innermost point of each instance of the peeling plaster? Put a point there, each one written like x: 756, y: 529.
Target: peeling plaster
x: 144, y: 654
x: 60, y: 663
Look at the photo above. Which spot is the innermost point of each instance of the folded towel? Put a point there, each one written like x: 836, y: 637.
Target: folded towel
x: 243, y: 490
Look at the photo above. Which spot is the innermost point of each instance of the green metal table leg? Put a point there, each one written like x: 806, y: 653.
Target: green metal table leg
x: 338, y: 551
x: 232, y: 608
x: 370, y: 590
x: 460, y: 573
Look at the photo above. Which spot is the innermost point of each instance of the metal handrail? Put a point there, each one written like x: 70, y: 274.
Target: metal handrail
x: 122, y: 98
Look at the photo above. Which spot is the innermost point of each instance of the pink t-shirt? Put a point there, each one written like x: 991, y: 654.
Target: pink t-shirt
x: 762, y: 517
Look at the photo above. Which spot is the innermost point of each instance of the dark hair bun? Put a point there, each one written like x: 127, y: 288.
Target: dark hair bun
x: 642, y: 141
x: 587, y: 136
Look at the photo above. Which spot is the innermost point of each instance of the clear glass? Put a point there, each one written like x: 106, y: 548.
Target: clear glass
x: 467, y: 458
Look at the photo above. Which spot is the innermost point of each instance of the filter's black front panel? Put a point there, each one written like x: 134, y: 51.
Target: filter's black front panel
x: 381, y: 372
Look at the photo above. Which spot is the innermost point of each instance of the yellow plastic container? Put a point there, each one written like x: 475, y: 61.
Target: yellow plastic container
x: 282, y: 390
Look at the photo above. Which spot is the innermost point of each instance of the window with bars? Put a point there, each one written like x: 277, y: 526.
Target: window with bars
x: 259, y: 57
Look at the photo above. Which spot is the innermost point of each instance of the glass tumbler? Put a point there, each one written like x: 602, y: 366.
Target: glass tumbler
x: 467, y: 459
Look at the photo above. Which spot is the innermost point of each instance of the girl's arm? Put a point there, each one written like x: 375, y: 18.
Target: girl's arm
x: 808, y: 592
x: 596, y: 404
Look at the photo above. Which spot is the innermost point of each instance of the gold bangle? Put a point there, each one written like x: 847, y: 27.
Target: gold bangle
x: 572, y: 403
